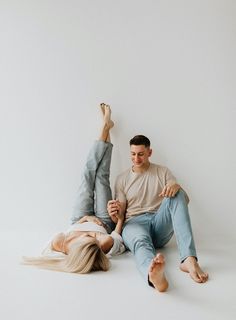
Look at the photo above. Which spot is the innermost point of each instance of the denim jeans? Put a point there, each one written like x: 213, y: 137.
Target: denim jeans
x: 145, y: 233
x: 94, y: 190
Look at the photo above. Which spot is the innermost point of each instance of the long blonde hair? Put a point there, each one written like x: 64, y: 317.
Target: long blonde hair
x: 83, y: 257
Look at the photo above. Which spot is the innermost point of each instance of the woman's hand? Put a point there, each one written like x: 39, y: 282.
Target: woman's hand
x: 116, y: 211
x: 93, y: 219
x: 119, y: 214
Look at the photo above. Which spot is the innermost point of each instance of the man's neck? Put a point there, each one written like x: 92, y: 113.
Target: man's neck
x: 141, y: 169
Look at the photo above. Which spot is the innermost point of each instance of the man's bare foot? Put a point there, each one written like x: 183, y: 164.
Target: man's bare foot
x: 191, y: 266
x: 106, y: 110
x: 156, y: 273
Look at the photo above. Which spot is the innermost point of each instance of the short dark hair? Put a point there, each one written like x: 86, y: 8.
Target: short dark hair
x: 140, y: 140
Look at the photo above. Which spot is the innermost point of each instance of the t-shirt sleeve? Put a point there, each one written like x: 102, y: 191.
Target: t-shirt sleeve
x: 119, y: 191
x: 169, y: 178
x: 118, y: 245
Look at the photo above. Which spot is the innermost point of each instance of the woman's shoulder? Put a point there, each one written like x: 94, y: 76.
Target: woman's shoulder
x: 86, y: 226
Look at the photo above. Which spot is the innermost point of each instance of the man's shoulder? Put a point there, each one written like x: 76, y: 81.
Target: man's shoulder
x: 158, y: 167
x: 124, y: 173
x: 163, y: 173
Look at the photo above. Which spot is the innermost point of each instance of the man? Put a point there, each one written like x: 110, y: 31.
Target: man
x: 155, y: 208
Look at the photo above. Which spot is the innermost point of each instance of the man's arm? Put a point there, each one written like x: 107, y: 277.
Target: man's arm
x: 170, y: 190
x: 171, y: 187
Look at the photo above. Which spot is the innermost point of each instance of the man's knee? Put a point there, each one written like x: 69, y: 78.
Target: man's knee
x: 179, y: 197
x: 180, y: 193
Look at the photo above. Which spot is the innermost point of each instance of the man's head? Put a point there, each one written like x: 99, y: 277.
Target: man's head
x: 140, y: 152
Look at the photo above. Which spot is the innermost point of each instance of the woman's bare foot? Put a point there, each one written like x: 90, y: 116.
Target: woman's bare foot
x: 108, y: 123
x: 191, y: 266
x: 156, y: 273
x: 106, y: 110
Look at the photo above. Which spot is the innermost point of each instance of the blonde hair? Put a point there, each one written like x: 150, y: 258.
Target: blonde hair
x: 83, y: 257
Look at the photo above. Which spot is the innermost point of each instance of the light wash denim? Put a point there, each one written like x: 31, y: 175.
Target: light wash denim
x: 145, y: 233
x: 94, y: 190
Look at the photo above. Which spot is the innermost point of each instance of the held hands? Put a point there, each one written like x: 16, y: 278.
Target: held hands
x: 170, y: 191
x: 91, y: 219
x: 114, y: 211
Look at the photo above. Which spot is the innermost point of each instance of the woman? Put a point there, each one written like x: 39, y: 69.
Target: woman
x: 83, y: 247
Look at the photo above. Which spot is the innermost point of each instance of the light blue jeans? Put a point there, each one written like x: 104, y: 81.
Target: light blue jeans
x: 145, y: 233
x: 94, y: 191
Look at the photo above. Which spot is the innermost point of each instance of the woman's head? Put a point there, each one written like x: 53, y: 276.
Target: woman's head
x: 84, y: 256
x: 63, y: 242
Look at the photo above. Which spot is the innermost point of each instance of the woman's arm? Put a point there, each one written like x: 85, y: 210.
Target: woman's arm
x: 119, y: 216
x: 119, y: 225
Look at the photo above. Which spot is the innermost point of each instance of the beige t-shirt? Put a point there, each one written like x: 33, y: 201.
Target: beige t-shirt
x: 140, y: 191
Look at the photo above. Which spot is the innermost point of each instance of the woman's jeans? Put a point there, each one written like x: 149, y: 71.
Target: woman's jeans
x: 145, y: 233
x: 94, y: 190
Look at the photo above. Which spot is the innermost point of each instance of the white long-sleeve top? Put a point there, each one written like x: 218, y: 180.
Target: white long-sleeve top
x: 117, y: 248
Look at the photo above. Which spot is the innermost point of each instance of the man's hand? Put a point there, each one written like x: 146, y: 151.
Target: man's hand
x: 114, y: 210
x: 170, y: 191
x: 91, y: 219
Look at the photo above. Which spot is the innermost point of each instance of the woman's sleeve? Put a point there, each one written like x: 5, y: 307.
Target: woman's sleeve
x: 118, y: 245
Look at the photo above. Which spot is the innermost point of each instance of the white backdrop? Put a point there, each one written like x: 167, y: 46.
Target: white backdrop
x: 166, y: 67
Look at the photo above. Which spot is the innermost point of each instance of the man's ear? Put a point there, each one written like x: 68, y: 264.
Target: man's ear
x: 150, y: 152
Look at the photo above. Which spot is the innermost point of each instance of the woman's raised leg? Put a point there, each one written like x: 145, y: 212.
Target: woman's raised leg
x: 102, y: 182
x: 84, y: 204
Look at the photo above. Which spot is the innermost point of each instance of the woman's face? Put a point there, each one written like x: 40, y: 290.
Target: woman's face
x: 62, y: 241
x: 104, y: 241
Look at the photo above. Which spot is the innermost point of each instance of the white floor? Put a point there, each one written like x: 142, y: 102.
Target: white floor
x: 29, y: 293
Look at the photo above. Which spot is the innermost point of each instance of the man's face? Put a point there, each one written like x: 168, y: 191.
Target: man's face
x: 140, y: 155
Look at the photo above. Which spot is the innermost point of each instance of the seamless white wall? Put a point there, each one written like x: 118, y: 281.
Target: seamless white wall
x: 166, y: 67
